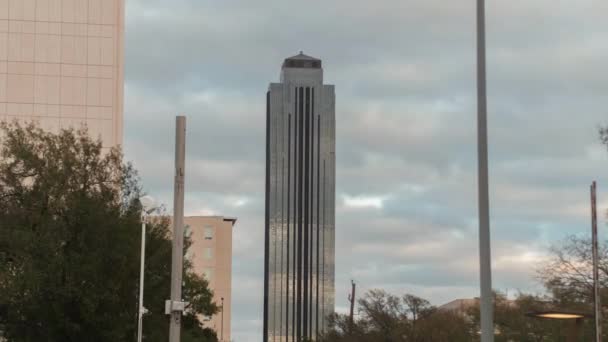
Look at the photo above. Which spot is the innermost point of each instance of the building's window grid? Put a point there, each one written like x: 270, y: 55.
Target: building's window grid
x: 58, y: 64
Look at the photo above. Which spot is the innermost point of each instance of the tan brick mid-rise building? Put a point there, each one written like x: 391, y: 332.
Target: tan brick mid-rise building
x: 62, y: 64
x: 211, y: 256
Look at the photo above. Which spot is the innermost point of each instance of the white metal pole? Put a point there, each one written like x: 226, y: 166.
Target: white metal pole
x: 178, y: 231
x: 485, y: 264
x: 596, y: 275
x: 141, y: 281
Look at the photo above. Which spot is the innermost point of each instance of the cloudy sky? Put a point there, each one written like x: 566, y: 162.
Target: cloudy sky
x: 404, y: 72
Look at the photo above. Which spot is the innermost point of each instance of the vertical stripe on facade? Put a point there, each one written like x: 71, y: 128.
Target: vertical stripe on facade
x: 323, y: 279
x: 267, y: 218
x: 300, y: 209
x: 306, y: 210
x: 288, y: 224
x: 281, y: 272
x: 294, y: 239
x: 312, y: 213
x: 295, y: 214
x: 318, y: 219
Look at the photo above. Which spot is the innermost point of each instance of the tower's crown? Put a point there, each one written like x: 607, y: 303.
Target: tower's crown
x: 302, y: 61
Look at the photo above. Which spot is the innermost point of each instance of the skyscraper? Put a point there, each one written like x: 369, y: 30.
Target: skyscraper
x: 61, y: 65
x: 300, y: 202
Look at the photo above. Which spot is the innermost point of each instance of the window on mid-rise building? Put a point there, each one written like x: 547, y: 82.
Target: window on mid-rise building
x: 208, y: 253
x: 208, y: 233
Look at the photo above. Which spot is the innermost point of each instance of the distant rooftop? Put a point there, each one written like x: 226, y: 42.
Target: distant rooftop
x: 302, y: 61
x: 230, y: 219
x: 462, y: 304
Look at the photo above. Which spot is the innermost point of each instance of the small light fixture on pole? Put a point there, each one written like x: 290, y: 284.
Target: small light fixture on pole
x: 147, y: 206
x: 577, y: 317
x: 222, y: 331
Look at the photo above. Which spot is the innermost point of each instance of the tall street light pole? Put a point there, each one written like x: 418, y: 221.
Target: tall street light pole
x: 485, y: 264
x: 141, y: 279
x: 147, y: 205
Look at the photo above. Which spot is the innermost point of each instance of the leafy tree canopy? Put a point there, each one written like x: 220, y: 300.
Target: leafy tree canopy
x: 70, y: 229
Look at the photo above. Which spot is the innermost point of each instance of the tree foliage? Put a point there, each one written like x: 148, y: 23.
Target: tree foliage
x: 70, y: 225
x: 604, y: 135
x: 386, y: 317
x: 568, y: 277
x: 568, y: 274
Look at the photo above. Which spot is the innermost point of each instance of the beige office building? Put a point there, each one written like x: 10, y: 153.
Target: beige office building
x: 211, y: 256
x: 62, y: 64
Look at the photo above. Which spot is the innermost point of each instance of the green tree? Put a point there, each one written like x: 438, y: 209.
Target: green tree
x: 70, y: 223
x: 386, y: 317
x: 416, y: 308
x: 512, y: 323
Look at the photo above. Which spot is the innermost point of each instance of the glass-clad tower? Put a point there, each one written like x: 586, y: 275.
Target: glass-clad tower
x: 300, y: 202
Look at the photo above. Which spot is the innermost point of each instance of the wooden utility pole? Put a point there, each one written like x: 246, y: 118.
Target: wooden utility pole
x: 596, y: 281
x: 351, y: 299
x: 175, y: 306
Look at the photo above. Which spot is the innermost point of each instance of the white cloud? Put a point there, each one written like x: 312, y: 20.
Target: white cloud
x: 358, y: 202
x: 205, y: 212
